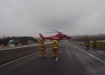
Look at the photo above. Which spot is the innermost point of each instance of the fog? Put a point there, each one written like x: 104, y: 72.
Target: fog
x: 31, y: 17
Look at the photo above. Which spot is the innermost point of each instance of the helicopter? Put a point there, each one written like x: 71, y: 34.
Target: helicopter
x: 59, y: 36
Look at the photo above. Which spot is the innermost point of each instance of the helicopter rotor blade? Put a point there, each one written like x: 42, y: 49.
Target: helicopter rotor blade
x: 57, y: 31
x: 50, y: 32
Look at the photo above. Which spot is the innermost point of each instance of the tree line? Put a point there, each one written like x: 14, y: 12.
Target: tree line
x: 24, y: 40
x: 88, y: 37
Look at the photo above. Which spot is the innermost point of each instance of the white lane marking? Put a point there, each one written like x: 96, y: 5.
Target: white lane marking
x: 17, y: 59
x: 101, y: 52
x: 57, y: 59
x: 60, y: 51
x: 91, y: 55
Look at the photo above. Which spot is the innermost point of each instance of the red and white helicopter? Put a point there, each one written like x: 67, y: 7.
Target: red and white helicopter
x: 59, y: 36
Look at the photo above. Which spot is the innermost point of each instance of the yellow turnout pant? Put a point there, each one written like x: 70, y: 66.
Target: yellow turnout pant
x: 42, y: 52
x: 55, y: 51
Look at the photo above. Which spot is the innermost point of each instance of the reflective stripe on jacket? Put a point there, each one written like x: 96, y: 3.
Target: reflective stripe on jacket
x: 87, y: 43
x: 41, y: 46
x: 55, y: 45
x: 94, y: 43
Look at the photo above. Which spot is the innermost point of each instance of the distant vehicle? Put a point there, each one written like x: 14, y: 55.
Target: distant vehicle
x: 59, y: 36
x: 11, y: 43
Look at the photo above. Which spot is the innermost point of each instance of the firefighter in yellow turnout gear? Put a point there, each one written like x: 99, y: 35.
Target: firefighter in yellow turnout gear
x: 94, y: 44
x: 87, y: 45
x: 42, y: 48
x: 54, y: 48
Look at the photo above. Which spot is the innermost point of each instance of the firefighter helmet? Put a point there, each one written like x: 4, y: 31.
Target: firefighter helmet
x: 41, y: 39
x: 54, y: 41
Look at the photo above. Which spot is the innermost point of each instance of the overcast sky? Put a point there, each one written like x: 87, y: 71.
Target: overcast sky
x: 30, y: 17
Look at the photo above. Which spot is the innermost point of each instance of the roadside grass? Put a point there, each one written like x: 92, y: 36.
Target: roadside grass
x: 100, y: 45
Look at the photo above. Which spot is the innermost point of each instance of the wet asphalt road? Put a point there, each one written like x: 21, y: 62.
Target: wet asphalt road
x: 72, y: 60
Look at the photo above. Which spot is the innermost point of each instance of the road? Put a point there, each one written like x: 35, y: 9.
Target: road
x: 72, y: 60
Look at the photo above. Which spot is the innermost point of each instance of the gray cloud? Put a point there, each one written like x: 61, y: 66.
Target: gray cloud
x: 30, y: 17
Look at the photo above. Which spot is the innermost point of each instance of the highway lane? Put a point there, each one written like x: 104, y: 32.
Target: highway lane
x: 72, y: 60
x: 99, y: 53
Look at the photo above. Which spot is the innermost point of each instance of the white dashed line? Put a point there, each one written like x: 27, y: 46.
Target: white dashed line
x: 57, y: 59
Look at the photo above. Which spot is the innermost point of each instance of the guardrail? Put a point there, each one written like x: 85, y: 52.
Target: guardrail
x: 15, y: 47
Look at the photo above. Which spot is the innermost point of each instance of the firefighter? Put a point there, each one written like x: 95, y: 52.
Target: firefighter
x: 94, y: 44
x: 41, y: 40
x: 87, y: 44
x: 54, y: 48
x: 42, y: 48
